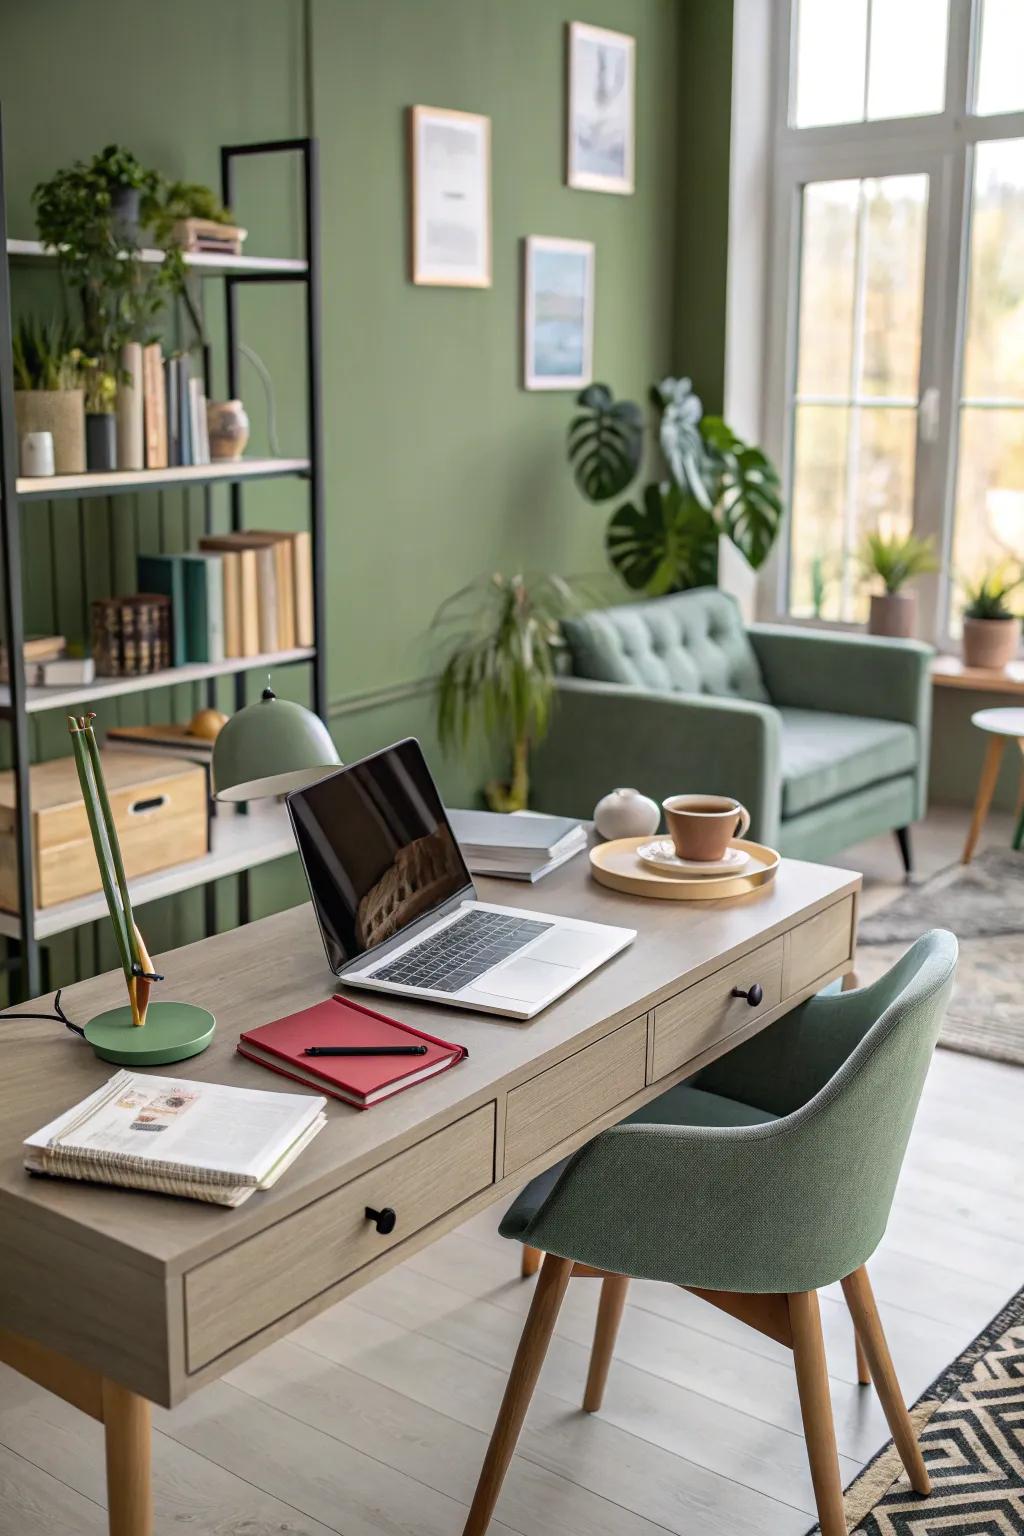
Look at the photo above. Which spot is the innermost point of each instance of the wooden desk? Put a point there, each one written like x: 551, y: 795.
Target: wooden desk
x: 116, y: 1299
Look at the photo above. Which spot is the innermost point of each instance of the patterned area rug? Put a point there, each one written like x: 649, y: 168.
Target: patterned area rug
x: 983, y: 904
x: 970, y: 1423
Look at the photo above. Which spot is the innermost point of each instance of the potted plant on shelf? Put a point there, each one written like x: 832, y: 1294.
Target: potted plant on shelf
x: 991, y: 630
x: 47, y: 390
x: 100, y: 385
x: 716, y: 484
x: 500, y: 635
x: 895, y: 558
x: 127, y: 182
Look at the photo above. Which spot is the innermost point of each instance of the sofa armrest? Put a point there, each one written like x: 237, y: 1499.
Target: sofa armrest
x: 608, y: 735
x: 846, y: 674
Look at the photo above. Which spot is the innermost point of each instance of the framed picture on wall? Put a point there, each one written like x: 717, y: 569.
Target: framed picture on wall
x: 601, y: 119
x: 558, y: 313
x: 451, y: 198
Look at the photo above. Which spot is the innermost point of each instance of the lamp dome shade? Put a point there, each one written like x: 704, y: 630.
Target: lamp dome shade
x: 270, y: 748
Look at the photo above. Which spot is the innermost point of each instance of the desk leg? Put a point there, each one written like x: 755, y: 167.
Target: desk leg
x: 127, y: 1427
x: 986, y: 789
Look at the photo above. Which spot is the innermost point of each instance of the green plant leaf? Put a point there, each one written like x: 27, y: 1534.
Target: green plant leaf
x: 680, y: 435
x: 605, y: 443
x: 667, y: 543
x: 897, y: 558
x: 746, y: 490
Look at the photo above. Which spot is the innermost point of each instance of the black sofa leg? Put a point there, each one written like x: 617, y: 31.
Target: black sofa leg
x: 903, y: 838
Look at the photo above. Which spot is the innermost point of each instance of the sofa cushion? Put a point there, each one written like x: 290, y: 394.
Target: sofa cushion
x: 691, y: 642
x: 826, y: 756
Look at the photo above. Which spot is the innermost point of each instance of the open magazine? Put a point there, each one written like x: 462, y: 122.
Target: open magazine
x: 178, y: 1137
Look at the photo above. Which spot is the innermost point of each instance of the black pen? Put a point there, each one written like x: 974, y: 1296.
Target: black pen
x: 365, y: 1050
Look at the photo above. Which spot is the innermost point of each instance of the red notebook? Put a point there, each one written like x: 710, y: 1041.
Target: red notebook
x: 359, y: 1080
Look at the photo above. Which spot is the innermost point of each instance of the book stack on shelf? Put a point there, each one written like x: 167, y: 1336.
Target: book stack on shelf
x: 47, y: 664
x: 240, y: 594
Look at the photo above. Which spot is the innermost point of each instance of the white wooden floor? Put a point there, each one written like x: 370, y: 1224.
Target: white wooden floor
x: 372, y: 1420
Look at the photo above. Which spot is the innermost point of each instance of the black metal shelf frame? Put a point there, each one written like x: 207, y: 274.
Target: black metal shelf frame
x: 26, y: 964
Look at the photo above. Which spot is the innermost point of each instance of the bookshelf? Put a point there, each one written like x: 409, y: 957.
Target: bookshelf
x: 238, y: 843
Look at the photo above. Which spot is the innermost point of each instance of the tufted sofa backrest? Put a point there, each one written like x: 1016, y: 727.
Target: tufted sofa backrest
x: 690, y: 642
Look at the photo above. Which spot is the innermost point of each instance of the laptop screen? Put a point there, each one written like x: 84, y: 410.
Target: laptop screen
x: 377, y: 848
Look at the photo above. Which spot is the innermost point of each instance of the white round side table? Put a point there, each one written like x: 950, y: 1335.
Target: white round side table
x: 1002, y: 725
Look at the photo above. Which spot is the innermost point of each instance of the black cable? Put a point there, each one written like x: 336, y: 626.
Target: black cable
x: 58, y: 1014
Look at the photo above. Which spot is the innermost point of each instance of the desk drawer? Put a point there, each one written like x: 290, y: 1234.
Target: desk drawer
x: 818, y: 945
x: 236, y: 1294
x: 705, y: 1013
x: 566, y: 1097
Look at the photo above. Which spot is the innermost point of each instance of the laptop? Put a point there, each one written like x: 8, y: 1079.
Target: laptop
x: 398, y: 910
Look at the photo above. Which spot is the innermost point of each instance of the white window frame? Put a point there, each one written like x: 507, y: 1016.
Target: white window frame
x: 942, y: 146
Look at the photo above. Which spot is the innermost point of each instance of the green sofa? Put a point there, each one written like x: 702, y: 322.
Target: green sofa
x: 823, y: 736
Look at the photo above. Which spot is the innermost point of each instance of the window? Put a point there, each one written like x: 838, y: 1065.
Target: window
x: 896, y: 366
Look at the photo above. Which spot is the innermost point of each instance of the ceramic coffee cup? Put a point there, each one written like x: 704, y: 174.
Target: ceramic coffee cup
x: 702, y: 826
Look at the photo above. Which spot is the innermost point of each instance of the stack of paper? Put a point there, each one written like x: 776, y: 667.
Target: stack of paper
x: 178, y: 1138
x: 518, y: 847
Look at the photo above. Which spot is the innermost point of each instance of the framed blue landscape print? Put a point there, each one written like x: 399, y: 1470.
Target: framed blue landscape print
x: 558, y: 313
x: 601, y: 114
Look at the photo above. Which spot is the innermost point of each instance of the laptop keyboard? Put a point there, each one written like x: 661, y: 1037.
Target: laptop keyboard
x: 450, y: 959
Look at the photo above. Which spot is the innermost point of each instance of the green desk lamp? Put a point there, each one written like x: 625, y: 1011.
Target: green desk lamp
x: 139, y: 1033
x: 269, y: 748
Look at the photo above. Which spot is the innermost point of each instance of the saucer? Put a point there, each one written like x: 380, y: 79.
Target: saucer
x: 661, y: 855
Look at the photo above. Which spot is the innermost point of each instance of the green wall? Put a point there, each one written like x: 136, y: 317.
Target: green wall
x: 438, y: 465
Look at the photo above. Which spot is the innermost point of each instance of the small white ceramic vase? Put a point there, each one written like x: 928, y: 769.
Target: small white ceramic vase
x: 37, y: 454
x: 626, y: 813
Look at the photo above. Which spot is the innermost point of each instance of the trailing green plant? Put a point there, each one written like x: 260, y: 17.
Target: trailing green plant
x: 176, y: 200
x: 43, y: 354
x: 717, y: 484
x: 500, y: 636
x: 897, y: 558
x: 986, y: 595
x: 121, y: 296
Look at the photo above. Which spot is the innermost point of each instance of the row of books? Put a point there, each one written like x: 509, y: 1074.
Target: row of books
x: 174, y: 410
x: 239, y: 594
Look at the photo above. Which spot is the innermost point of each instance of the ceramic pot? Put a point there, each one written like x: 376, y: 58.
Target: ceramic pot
x: 124, y: 214
x: 893, y: 614
x: 626, y: 813
x: 990, y: 644
x: 37, y: 454
x: 228, y: 427
x: 100, y: 440
x: 61, y: 412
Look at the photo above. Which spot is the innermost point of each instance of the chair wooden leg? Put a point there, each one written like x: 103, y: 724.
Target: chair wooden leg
x: 863, y: 1369
x: 609, y: 1316
x: 861, y: 1301
x: 986, y: 789
x: 531, y: 1261
x: 533, y: 1346
x: 816, y: 1410
x: 128, y: 1432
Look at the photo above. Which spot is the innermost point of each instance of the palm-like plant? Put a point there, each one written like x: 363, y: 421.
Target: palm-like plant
x: 897, y: 558
x: 500, y: 635
x: 986, y: 595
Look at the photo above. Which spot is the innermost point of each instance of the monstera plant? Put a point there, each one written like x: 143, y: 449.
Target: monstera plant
x: 667, y: 538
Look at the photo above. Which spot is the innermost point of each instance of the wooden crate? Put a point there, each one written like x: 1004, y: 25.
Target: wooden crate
x: 160, y: 809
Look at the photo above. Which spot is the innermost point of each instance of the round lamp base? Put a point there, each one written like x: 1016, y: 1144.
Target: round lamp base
x: 172, y: 1032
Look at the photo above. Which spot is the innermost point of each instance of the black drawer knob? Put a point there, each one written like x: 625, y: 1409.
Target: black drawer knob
x: 384, y: 1220
x: 754, y: 995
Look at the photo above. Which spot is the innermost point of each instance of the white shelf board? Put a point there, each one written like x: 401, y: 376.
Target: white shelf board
x: 39, y: 699
x: 110, y: 482
x: 238, y: 843
x: 211, y: 263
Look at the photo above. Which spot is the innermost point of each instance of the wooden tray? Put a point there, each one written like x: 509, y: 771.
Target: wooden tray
x: 615, y: 864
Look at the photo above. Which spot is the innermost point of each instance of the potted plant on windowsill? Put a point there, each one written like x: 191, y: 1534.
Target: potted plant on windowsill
x: 895, y: 558
x: 500, y: 635
x: 991, y: 630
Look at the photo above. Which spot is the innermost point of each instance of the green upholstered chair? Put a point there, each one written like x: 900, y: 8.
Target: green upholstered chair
x: 824, y: 737
x: 769, y: 1175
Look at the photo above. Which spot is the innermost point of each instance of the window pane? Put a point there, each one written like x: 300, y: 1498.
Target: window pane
x: 1000, y: 75
x: 831, y: 50
x: 907, y: 65
x: 990, y: 493
x: 827, y: 267
x: 994, y: 352
x: 883, y: 481
x: 896, y: 210
x: 819, y: 491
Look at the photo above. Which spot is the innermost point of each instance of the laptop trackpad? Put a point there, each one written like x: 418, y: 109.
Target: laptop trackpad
x: 523, y: 981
